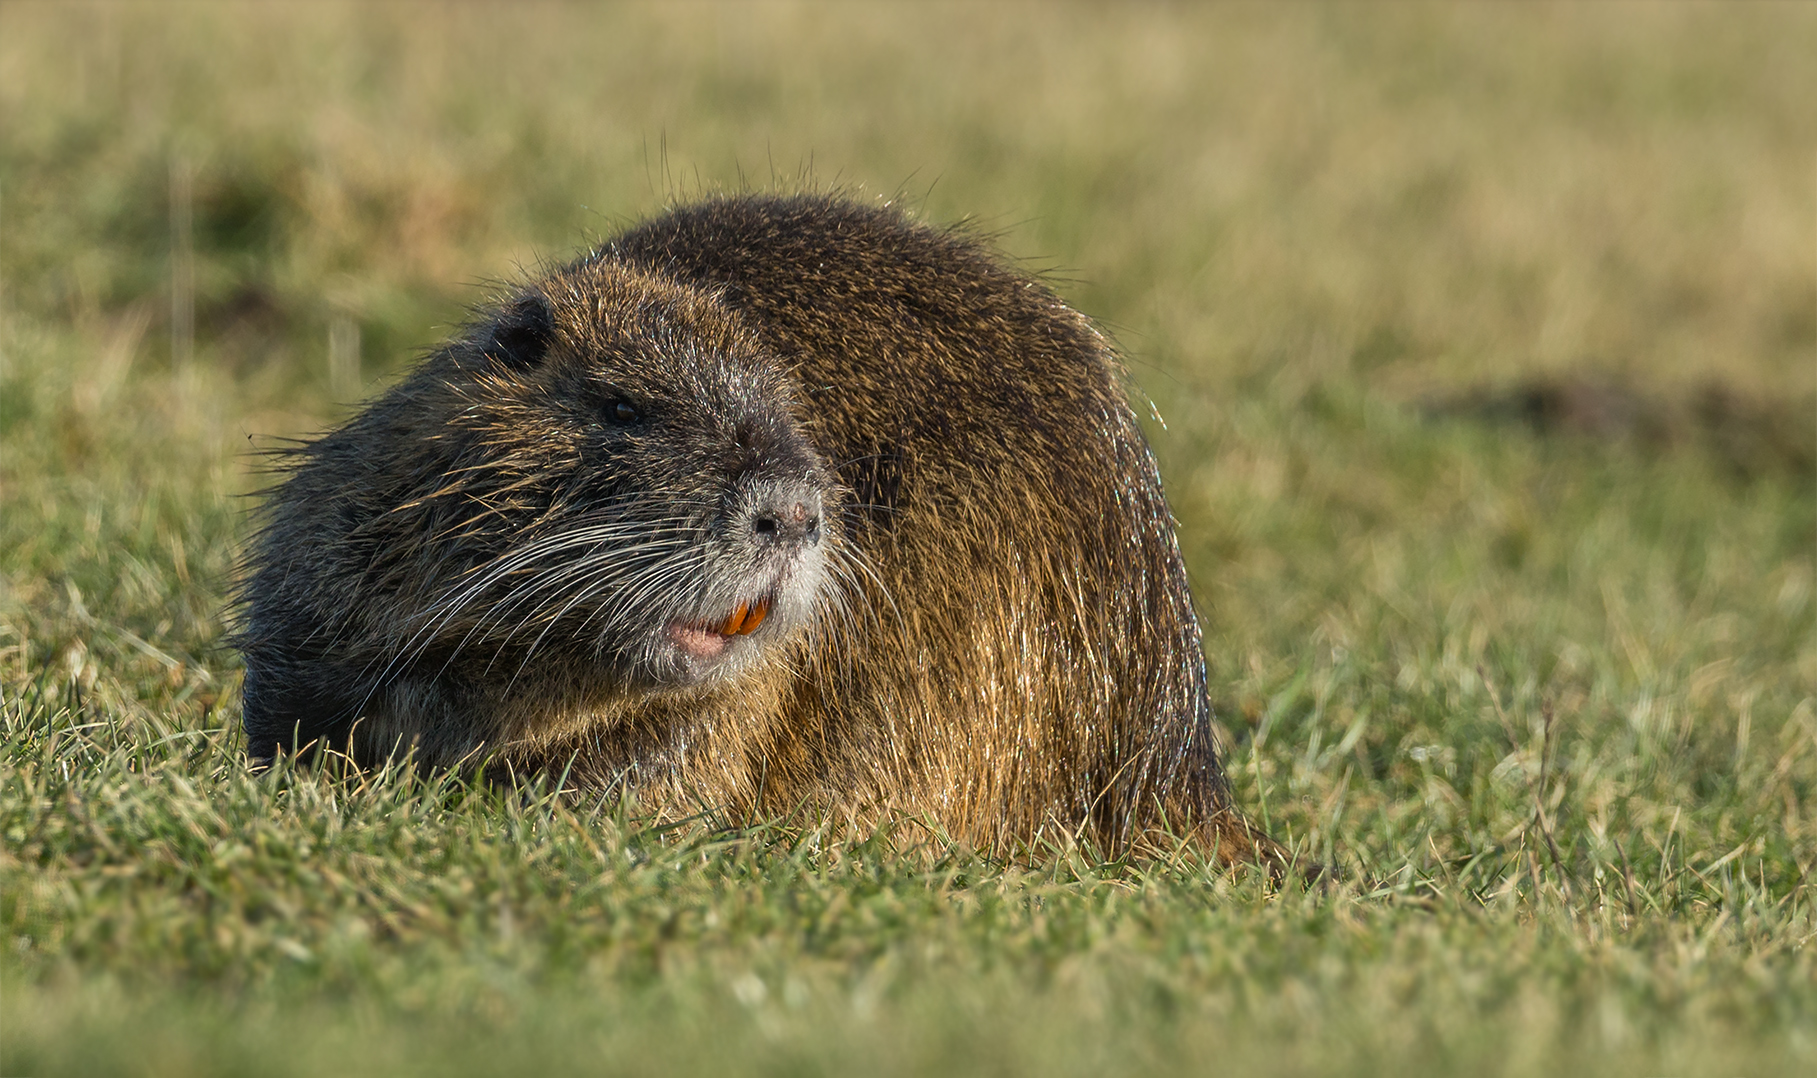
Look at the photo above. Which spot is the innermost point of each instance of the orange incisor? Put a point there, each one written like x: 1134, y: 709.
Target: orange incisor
x: 745, y: 619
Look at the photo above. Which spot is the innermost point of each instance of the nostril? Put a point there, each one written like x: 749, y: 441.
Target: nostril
x: 792, y: 516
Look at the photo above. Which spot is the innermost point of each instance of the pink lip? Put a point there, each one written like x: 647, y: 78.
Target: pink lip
x: 709, y: 641
x: 697, y: 643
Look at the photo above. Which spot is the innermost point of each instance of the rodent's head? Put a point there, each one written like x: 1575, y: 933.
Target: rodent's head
x: 628, y: 497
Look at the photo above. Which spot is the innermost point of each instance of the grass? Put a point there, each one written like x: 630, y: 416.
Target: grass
x: 1545, y: 687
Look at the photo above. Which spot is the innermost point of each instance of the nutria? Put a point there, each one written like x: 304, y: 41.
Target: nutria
x: 768, y: 503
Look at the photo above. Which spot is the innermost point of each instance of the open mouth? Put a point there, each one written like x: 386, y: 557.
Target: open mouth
x: 709, y: 641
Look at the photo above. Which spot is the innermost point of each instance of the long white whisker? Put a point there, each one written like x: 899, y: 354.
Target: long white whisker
x: 482, y: 578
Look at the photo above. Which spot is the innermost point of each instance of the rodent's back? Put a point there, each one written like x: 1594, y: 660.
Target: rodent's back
x: 1030, y: 660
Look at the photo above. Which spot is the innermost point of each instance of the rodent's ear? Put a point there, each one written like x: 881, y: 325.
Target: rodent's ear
x: 522, y: 333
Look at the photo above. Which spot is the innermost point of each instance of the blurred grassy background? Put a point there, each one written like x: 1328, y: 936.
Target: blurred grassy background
x: 1486, y: 342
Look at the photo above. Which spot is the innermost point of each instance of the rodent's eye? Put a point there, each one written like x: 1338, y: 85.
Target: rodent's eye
x: 623, y: 412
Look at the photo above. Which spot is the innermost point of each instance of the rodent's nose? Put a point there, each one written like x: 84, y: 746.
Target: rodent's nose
x: 789, y: 515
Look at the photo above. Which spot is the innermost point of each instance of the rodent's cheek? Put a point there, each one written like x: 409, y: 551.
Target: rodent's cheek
x: 685, y: 487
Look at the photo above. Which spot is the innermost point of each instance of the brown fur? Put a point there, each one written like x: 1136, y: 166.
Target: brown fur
x: 993, y: 633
